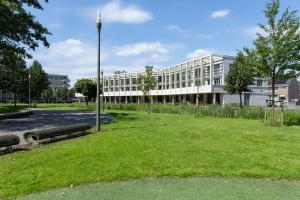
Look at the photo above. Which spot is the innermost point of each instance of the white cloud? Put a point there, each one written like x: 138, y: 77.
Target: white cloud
x: 115, y: 11
x: 252, y: 31
x: 78, y: 59
x: 140, y: 48
x: 220, y: 13
x: 186, y: 33
x: 175, y: 28
x: 199, y: 52
x: 71, y: 57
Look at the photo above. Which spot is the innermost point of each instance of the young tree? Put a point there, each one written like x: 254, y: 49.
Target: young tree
x: 62, y: 93
x: 88, y: 88
x: 13, y: 76
x: 146, y: 83
x: 38, y: 80
x: 239, y: 77
x: 19, y: 28
x: 48, y: 95
x: 277, y: 49
x: 71, y: 93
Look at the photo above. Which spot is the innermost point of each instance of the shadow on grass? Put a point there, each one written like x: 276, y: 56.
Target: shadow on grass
x: 122, y: 116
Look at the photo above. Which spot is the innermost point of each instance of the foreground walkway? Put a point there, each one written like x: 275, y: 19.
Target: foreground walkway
x: 42, y: 119
x: 178, y: 188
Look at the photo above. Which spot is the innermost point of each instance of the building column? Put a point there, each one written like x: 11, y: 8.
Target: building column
x: 164, y: 99
x: 184, y: 98
x: 214, y: 98
x: 126, y: 99
x: 138, y: 99
x: 211, y: 70
x: 173, y: 99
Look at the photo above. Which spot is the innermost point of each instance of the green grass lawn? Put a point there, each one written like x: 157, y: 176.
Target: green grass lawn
x: 140, y: 145
x: 177, y: 188
x: 6, y: 108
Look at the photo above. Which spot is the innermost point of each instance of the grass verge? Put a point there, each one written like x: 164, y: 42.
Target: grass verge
x: 140, y: 145
x: 7, y: 108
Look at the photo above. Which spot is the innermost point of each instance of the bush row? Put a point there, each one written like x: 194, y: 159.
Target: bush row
x: 290, y: 117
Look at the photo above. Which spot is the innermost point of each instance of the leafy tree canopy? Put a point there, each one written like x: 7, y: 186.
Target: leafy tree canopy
x: 19, y: 30
x: 38, y: 79
x: 86, y: 87
x: 240, y: 76
x: 146, y: 82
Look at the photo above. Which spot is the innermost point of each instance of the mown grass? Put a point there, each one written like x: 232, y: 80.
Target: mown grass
x: 7, y: 108
x: 139, y: 145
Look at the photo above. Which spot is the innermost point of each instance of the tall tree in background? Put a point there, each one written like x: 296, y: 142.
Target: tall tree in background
x: 71, y: 93
x: 239, y: 77
x: 39, y: 80
x: 146, y: 83
x: 13, y: 76
x: 19, y: 29
x: 86, y: 87
x: 277, y: 49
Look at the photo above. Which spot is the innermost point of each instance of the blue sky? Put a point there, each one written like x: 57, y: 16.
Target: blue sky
x: 136, y: 33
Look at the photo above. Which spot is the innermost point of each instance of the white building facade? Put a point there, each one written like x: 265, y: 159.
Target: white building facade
x: 198, y: 80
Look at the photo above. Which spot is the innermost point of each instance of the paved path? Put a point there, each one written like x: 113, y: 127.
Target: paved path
x: 47, y: 119
x: 178, y: 188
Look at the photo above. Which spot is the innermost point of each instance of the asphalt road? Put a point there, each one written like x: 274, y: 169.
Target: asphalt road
x: 42, y: 119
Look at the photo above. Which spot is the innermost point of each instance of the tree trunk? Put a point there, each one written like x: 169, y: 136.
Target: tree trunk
x: 15, y: 100
x: 273, y: 101
x: 241, y: 103
x: 87, y: 101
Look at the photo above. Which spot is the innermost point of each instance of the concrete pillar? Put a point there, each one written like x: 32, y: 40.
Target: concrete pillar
x: 184, y: 98
x: 138, y: 99
x: 193, y: 84
x: 173, y: 99
x: 211, y: 69
x: 115, y: 99
x: 126, y: 99
x: 214, y: 98
x: 164, y: 99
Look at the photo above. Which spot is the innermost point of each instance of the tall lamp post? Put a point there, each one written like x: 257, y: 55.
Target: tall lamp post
x: 102, y: 92
x: 29, y: 93
x: 98, y: 72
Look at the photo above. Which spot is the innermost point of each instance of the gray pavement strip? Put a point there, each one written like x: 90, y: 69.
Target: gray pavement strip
x: 42, y: 119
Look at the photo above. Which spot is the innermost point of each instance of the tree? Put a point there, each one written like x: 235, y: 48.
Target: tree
x: 48, y: 95
x: 62, y: 93
x: 239, y: 77
x: 88, y: 88
x: 20, y: 31
x: 13, y: 76
x: 38, y: 80
x: 71, y: 93
x: 277, y: 48
x: 146, y: 83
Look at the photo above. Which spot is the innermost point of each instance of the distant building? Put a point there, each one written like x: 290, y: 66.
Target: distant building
x: 4, y: 96
x: 183, y: 81
x: 286, y: 90
x: 58, y: 81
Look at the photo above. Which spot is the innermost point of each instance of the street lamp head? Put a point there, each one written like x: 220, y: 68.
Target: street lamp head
x: 98, y: 17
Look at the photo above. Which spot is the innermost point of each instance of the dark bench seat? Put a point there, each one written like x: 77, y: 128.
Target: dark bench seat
x: 9, y: 140
x: 55, y: 132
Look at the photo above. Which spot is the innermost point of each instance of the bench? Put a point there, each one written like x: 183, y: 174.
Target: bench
x: 13, y: 115
x: 50, y: 133
x: 9, y: 140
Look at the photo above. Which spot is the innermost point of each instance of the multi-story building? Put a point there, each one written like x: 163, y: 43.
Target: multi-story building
x: 202, y: 77
x: 286, y: 91
x: 58, y: 81
x: 4, y: 96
